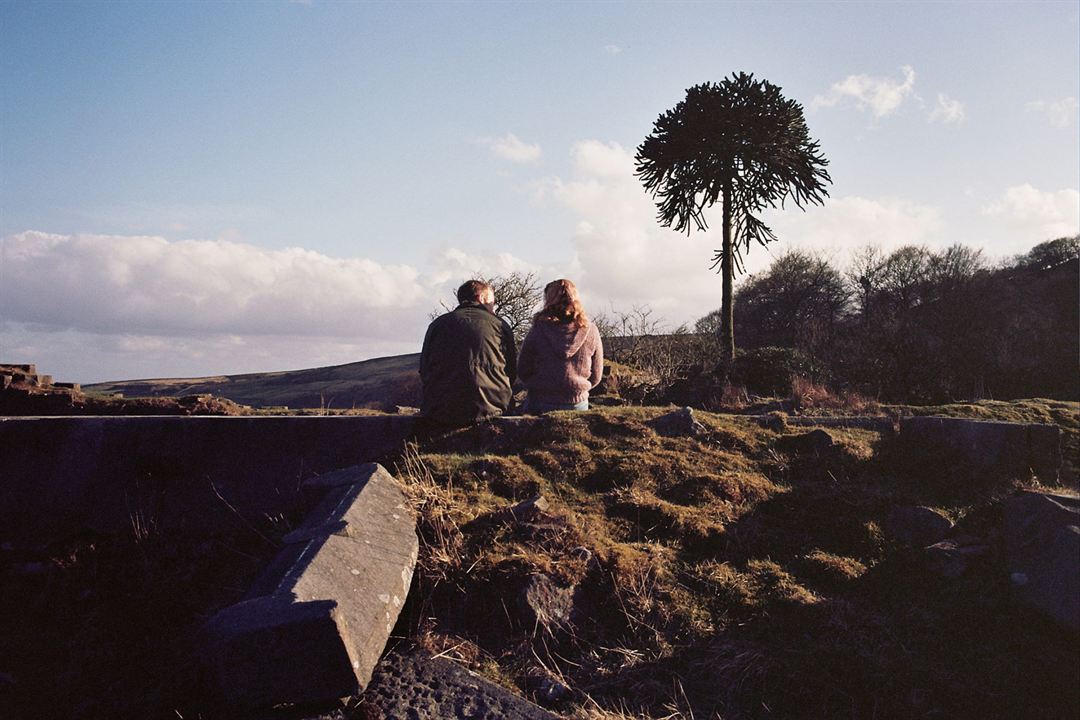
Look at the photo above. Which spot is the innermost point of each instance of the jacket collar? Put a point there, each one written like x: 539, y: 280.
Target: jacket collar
x: 473, y: 303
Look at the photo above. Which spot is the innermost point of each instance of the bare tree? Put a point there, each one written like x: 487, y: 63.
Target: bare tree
x: 517, y: 296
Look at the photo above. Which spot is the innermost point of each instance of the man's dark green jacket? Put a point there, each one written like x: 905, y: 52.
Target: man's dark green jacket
x: 467, y: 366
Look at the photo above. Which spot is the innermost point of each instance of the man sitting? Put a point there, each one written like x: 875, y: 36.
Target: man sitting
x: 468, y: 363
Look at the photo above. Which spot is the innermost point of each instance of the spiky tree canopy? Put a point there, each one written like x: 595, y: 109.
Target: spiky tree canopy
x: 740, y: 133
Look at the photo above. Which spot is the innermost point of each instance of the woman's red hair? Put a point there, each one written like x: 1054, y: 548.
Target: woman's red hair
x: 561, y: 304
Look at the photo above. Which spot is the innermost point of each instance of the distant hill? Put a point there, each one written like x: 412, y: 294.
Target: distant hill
x: 377, y: 383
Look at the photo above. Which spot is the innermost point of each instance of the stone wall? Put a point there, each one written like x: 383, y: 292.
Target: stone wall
x: 59, y: 475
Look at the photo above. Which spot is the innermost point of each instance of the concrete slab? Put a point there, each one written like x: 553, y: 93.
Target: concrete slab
x: 990, y: 445
x: 316, y: 621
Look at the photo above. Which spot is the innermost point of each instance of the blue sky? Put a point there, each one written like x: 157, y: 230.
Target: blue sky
x: 203, y: 188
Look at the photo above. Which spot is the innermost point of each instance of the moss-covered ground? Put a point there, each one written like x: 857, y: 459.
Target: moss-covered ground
x: 719, y: 577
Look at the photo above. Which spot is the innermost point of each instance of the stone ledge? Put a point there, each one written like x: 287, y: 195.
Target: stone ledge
x: 417, y: 685
x: 315, y: 622
x: 990, y: 445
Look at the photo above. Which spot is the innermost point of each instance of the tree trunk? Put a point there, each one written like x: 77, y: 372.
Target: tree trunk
x: 727, y: 270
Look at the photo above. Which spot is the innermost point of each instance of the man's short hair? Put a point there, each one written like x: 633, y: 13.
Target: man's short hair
x: 473, y: 291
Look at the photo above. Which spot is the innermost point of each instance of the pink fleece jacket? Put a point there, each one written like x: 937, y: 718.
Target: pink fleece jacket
x: 561, y: 363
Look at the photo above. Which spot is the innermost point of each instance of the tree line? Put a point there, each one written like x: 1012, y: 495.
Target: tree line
x: 914, y: 324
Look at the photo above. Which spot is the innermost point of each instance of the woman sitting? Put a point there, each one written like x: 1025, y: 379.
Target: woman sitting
x: 562, y: 358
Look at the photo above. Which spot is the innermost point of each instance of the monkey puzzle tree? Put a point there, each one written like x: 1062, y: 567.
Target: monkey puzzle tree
x: 739, y: 141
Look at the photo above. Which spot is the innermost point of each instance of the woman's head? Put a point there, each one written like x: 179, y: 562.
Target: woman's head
x: 561, y: 304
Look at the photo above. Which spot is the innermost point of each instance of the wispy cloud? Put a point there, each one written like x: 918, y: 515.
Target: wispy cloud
x: 947, y: 110
x: 612, y: 49
x: 510, y: 147
x: 882, y: 96
x: 1060, y: 113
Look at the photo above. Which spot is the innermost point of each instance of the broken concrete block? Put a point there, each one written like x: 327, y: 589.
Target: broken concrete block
x: 344, y: 476
x: 315, y: 622
x: 263, y: 646
x: 1042, y: 545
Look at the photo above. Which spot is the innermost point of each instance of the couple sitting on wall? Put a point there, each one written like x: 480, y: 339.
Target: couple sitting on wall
x: 469, y: 361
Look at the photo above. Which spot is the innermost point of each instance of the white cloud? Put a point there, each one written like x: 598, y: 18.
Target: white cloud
x: 882, y: 96
x: 947, y: 110
x: 1060, y: 113
x: 80, y: 305
x: 145, y: 284
x: 846, y: 223
x: 1035, y: 215
x: 621, y: 255
x: 612, y: 49
x: 509, y: 147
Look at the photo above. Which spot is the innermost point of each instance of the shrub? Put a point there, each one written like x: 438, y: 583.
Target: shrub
x: 772, y: 370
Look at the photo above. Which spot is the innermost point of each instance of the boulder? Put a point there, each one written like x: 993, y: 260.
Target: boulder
x: 314, y: 624
x: 951, y: 558
x: 815, y: 442
x: 1042, y: 545
x: 680, y: 423
x: 917, y: 525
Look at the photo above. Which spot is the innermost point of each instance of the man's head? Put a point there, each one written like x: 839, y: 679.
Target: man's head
x: 476, y: 291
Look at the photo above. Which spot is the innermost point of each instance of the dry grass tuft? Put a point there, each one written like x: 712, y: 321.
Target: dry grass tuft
x: 808, y: 396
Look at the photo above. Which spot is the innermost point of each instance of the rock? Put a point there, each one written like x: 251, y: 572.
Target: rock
x: 1042, y: 544
x: 993, y: 446
x: 815, y: 442
x: 777, y: 422
x: 1044, y: 451
x: 680, y: 423
x: 951, y: 558
x: 545, y: 687
x: 531, y: 509
x: 408, y: 686
x: 314, y: 624
x: 545, y: 605
x: 917, y: 525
